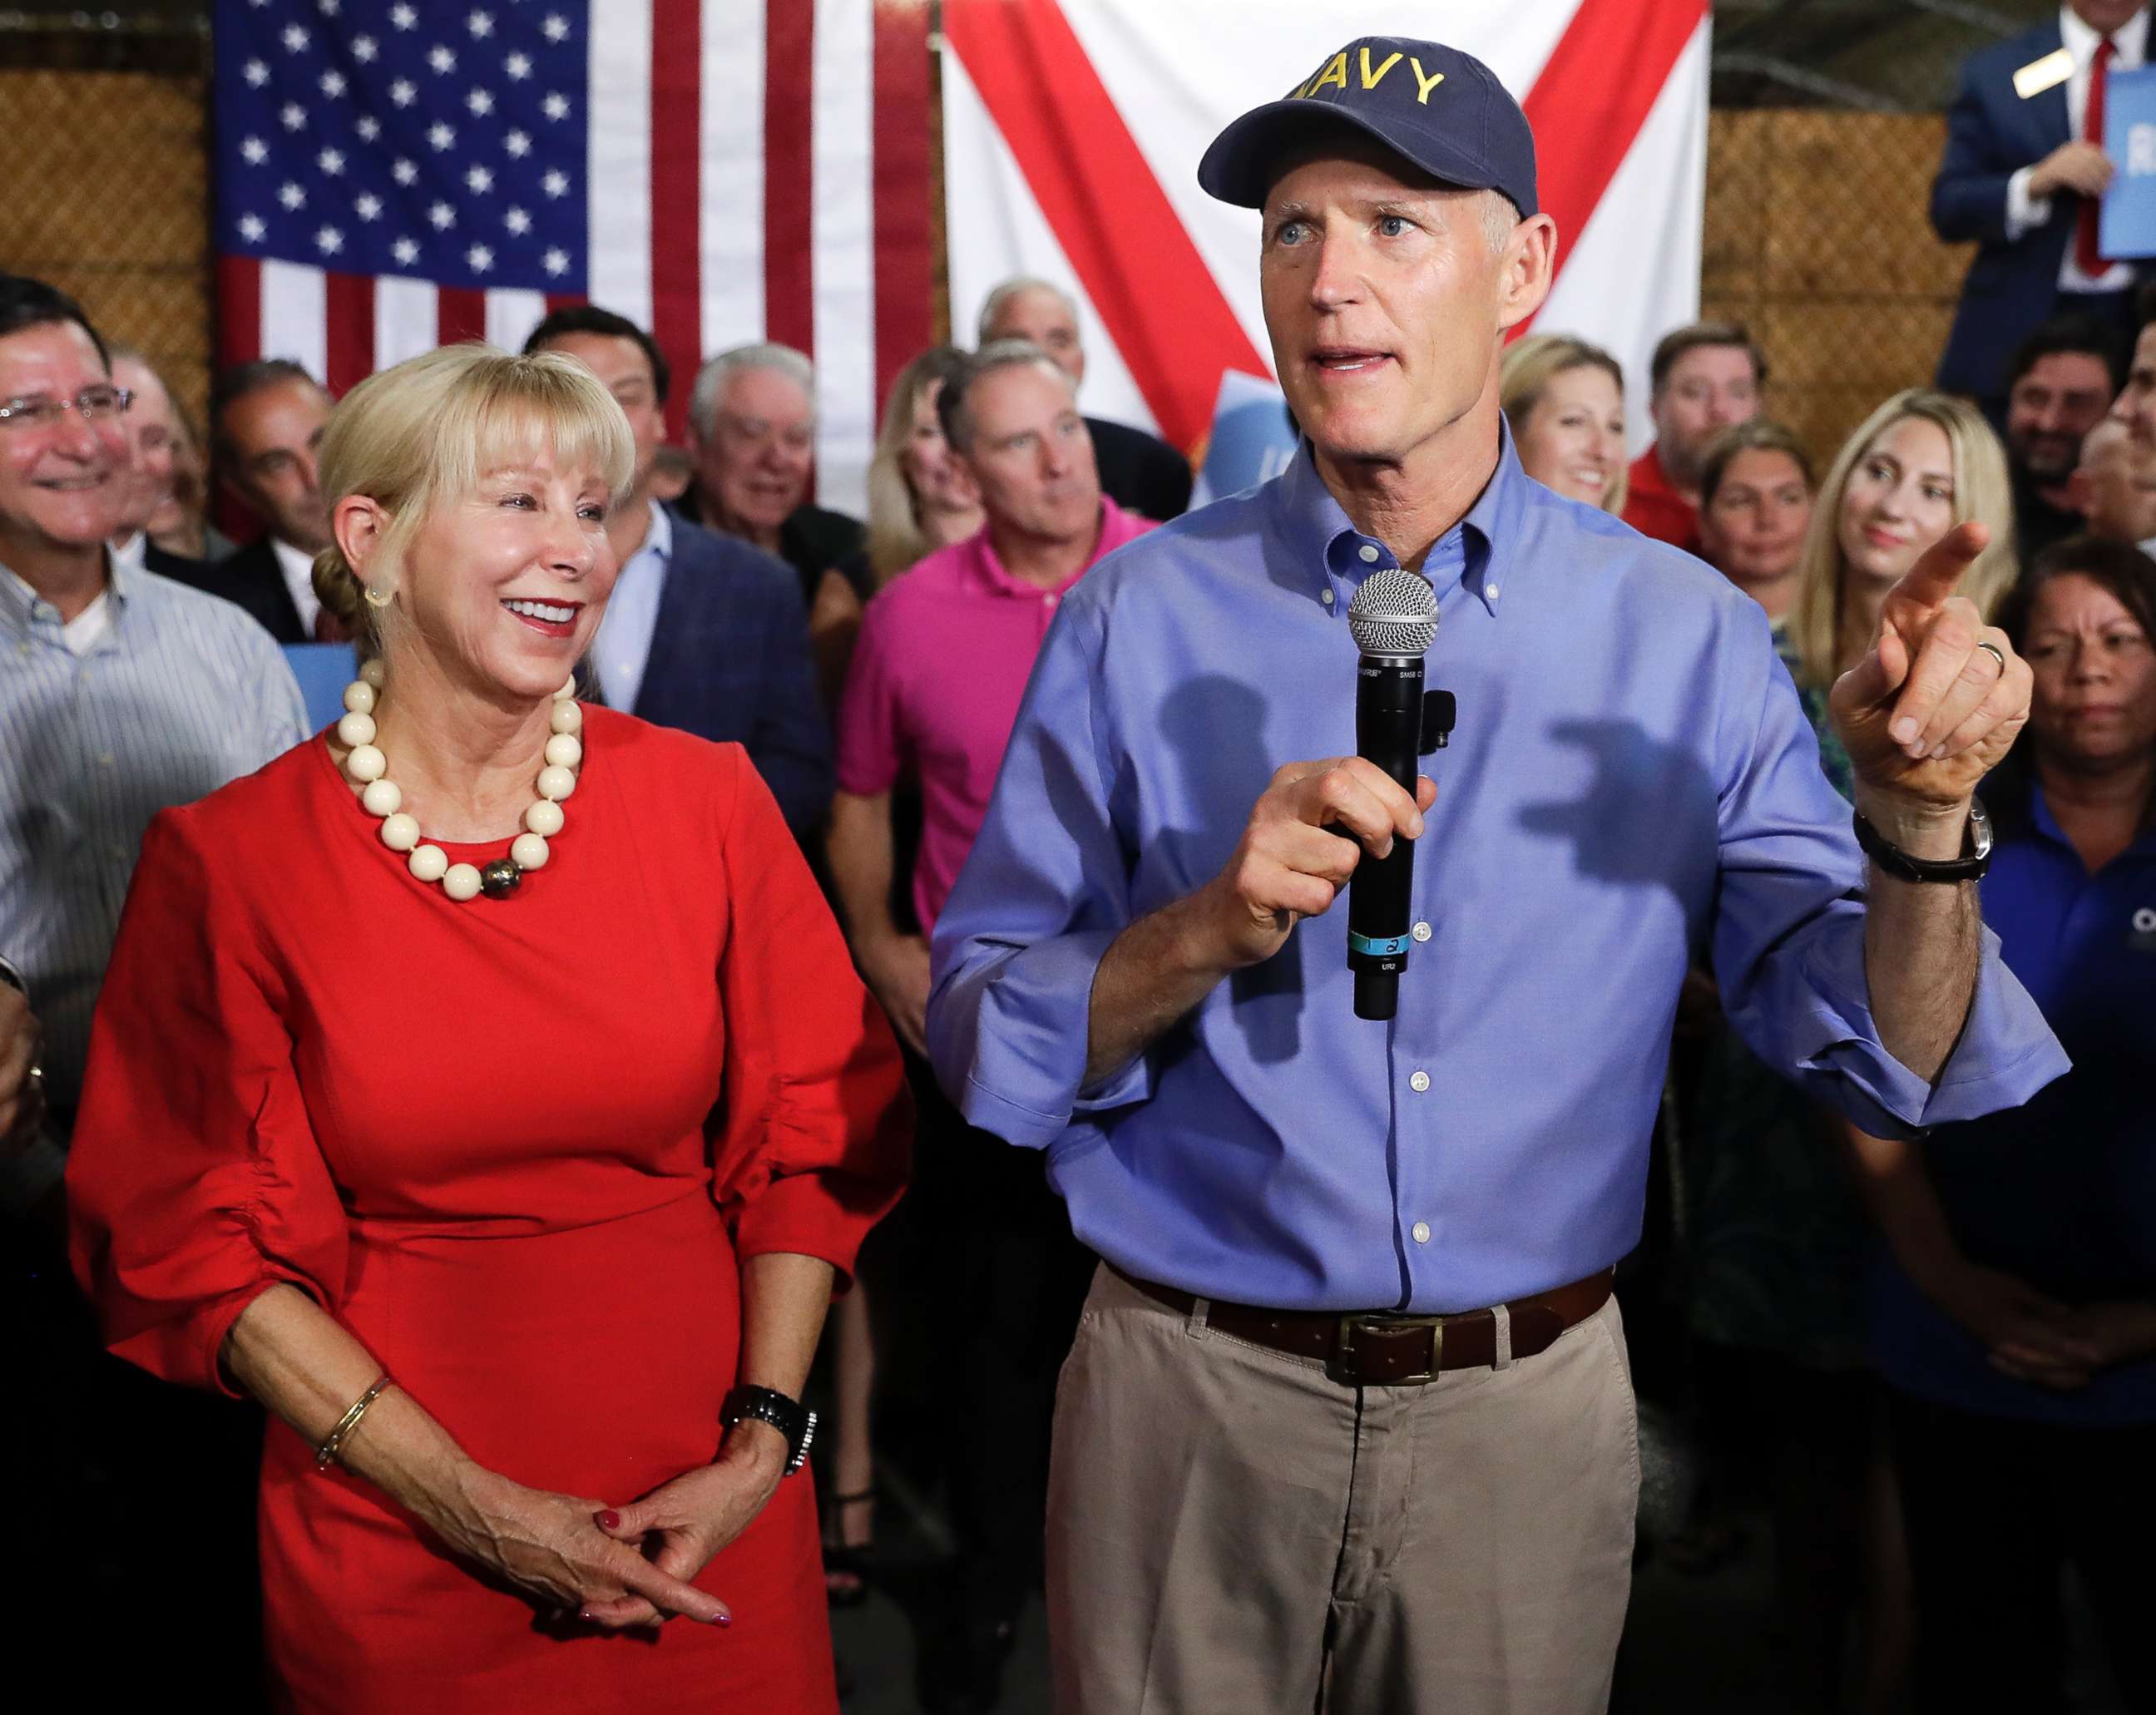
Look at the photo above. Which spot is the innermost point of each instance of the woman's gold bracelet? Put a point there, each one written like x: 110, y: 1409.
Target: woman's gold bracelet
x: 350, y: 1421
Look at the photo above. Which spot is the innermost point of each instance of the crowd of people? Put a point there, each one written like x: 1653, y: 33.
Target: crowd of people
x: 497, y: 1244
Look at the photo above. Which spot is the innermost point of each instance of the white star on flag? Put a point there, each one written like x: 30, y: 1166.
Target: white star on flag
x: 480, y: 24
x: 331, y: 161
x: 480, y: 258
x: 557, y: 27
x: 443, y: 216
x: 368, y: 207
x: 401, y: 92
x: 368, y: 127
x: 517, y: 144
x: 518, y: 66
x: 405, y: 251
x: 256, y: 73
x: 441, y: 136
x: 363, y: 49
x: 333, y: 83
x: 517, y: 221
x: 480, y: 179
x: 294, y: 116
x: 480, y: 101
x: 442, y: 59
x: 329, y: 241
x: 555, y: 184
x: 558, y: 262
x: 556, y: 107
x: 405, y: 173
x: 292, y: 197
x: 295, y: 39
x: 255, y: 150
x: 251, y: 228
x: 403, y: 17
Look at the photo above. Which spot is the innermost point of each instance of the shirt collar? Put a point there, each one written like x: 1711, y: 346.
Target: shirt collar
x: 990, y: 570
x: 2129, y: 40
x: 1329, y: 557
x: 133, y: 552
x: 658, y: 538
x: 20, y: 605
x: 2043, y: 822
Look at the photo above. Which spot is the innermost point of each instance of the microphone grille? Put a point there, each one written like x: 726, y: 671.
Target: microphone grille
x: 1395, y: 613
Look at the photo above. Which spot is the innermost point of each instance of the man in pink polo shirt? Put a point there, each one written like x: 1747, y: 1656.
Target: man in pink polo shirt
x: 944, y: 653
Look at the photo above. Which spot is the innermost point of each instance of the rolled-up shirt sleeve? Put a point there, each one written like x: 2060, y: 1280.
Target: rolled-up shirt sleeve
x: 1788, y: 934
x: 1044, y: 892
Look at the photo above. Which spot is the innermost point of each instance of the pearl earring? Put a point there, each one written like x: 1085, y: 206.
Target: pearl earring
x: 376, y: 597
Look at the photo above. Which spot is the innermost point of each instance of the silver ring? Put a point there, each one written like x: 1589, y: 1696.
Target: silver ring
x: 1996, y: 653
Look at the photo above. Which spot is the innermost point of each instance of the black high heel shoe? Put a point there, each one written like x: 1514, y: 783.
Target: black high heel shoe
x: 846, y: 1567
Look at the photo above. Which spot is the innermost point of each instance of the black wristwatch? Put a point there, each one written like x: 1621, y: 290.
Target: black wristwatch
x: 1974, y: 859
x: 789, y: 1417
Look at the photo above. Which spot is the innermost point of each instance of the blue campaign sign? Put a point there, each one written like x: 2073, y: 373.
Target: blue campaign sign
x: 1253, y: 437
x: 323, y: 671
x: 2128, y: 226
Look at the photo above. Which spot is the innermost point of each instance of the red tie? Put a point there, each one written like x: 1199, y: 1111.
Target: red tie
x: 2088, y: 257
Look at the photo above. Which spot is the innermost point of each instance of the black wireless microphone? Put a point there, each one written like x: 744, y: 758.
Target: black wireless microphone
x: 1394, y: 620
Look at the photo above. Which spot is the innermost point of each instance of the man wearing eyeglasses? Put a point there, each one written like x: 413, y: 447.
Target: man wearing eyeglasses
x: 121, y: 692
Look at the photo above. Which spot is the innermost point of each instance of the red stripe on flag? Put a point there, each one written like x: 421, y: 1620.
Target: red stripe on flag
x: 1601, y: 80
x: 789, y: 46
x: 238, y: 310
x: 675, y: 192
x: 238, y: 340
x: 460, y: 314
x: 905, y: 269
x: 348, y: 313
x: 564, y: 301
x: 1163, y: 307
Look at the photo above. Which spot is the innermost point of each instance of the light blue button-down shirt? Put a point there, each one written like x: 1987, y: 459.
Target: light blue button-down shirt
x: 1632, y: 779
x: 181, y: 693
x: 623, y: 648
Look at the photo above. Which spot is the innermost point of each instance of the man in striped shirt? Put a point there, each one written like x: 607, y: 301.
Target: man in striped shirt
x: 121, y: 691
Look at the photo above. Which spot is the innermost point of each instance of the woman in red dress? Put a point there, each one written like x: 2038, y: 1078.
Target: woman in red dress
x: 504, y: 1144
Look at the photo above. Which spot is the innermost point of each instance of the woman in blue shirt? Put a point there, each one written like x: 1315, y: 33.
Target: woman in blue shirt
x: 2015, y: 1321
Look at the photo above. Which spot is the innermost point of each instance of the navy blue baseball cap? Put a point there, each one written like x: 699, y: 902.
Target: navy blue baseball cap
x: 1442, y: 111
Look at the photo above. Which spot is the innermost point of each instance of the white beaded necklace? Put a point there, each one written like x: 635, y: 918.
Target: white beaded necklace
x: 368, y: 769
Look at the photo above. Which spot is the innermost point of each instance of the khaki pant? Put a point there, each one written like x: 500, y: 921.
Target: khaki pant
x: 1231, y: 1531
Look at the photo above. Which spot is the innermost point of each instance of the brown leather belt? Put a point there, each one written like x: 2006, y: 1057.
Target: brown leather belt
x: 1380, y: 1349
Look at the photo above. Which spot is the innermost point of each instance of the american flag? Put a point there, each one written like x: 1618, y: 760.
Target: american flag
x: 393, y: 175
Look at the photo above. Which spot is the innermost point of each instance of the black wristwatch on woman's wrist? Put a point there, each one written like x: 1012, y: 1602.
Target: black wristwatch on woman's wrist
x: 789, y: 1417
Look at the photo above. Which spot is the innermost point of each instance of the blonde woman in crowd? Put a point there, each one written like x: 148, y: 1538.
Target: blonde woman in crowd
x: 920, y: 499
x: 1779, y: 1242
x: 1565, y: 402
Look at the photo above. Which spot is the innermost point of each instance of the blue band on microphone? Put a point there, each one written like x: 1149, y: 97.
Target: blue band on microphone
x: 1377, y: 946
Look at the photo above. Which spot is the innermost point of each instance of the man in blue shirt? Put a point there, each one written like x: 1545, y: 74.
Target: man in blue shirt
x: 1348, y: 1422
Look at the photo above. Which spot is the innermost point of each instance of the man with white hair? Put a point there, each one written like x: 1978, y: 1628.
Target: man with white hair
x: 1139, y: 472
x: 752, y: 431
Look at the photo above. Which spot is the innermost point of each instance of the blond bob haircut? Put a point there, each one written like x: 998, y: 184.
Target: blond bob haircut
x: 1981, y: 491
x: 895, y: 538
x: 1524, y: 374
x: 418, y: 435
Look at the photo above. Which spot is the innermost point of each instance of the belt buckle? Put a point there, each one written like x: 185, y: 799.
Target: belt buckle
x: 1343, y: 1349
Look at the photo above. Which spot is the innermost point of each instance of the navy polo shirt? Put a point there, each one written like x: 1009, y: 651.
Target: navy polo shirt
x: 2062, y: 1191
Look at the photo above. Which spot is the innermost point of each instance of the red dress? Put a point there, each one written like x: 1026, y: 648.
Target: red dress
x: 489, y: 1139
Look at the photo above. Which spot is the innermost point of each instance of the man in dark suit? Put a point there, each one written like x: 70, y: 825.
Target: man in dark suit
x: 1139, y: 472
x: 2022, y: 175
x: 702, y: 631
x: 752, y: 433
x: 266, y: 424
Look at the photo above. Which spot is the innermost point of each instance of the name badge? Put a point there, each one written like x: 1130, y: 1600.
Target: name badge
x: 2038, y: 75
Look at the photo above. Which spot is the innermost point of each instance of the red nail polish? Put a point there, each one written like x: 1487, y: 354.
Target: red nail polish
x: 608, y: 1520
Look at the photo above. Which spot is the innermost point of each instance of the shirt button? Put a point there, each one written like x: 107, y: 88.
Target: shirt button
x: 1491, y: 589
x: 1370, y: 553
x: 1421, y: 1230
x: 1420, y: 1082
x: 1421, y: 931
x: 1323, y: 595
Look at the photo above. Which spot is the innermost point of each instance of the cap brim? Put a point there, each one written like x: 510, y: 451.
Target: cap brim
x: 1238, y: 167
